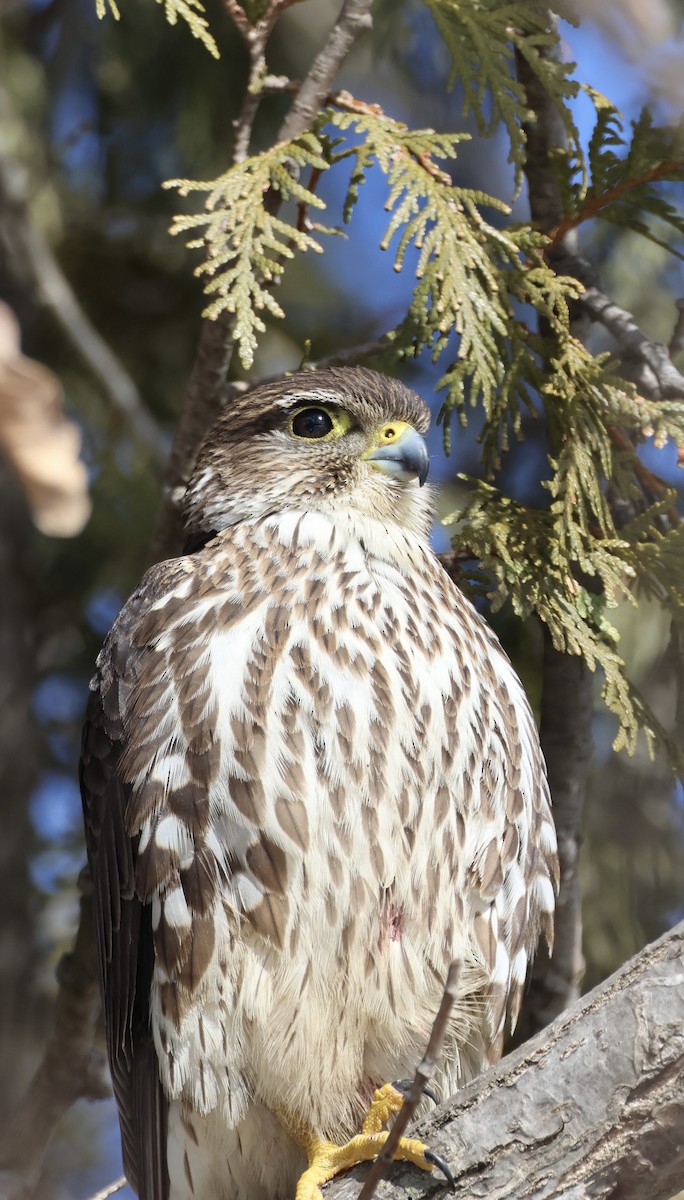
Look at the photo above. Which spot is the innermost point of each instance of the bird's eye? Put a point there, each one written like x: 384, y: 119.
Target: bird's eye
x: 311, y: 423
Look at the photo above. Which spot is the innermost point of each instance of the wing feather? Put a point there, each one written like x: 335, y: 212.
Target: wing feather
x: 123, y: 923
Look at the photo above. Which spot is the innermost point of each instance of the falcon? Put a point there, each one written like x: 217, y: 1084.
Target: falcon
x: 311, y: 781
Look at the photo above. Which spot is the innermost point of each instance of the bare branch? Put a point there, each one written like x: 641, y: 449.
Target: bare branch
x: 354, y: 19
x: 651, y: 367
x: 32, y: 257
x: 255, y: 38
x: 591, y: 1107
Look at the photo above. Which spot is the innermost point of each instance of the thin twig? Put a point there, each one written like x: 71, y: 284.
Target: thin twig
x: 348, y: 356
x: 349, y: 103
x: 255, y: 37
x: 594, y: 204
x: 423, y: 1075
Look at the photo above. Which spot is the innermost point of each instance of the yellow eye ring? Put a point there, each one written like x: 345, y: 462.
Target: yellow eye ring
x: 320, y: 423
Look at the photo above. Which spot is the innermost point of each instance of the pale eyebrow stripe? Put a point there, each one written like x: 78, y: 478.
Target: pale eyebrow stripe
x: 319, y: 394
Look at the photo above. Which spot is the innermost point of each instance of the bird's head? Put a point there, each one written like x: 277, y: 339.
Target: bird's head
x: 336, y: 440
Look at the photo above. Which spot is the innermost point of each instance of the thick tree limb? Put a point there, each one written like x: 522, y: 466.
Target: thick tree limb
x: 566, y: 719
x: 591, y: 1108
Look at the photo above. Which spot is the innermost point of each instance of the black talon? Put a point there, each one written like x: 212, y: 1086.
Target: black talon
x: 439, y: 1162
x: 405, y: 1086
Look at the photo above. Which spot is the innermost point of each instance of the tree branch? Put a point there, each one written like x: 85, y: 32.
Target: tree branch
x: 255, y: 38
x: 567, y: 687
x: 591, y: 1107
x: 595, y: 203
x: 566, y: 720
x: 354, y: 19
x: 423, y: 1076
x: 650, y: 365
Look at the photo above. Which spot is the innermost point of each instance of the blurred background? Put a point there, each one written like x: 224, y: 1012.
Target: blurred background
x: 94, y: 115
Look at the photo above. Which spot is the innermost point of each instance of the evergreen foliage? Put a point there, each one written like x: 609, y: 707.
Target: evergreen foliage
x: 246, y: 242
x: 475, y: 276
x: 623, y: 173
x: 482, y: 37
x: 189, y: 11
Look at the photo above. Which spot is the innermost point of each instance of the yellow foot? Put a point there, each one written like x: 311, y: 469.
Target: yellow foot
x: 327, y: 1160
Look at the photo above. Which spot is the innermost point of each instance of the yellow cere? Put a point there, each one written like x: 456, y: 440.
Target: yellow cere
x: 387, y: 435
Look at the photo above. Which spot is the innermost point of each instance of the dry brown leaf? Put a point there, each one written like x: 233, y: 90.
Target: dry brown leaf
x: 41, y: 444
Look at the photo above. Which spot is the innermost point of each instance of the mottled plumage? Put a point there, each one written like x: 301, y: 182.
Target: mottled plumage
x: 311, y: 779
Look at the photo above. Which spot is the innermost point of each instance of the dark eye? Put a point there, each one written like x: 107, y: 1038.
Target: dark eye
x: 311, y: 423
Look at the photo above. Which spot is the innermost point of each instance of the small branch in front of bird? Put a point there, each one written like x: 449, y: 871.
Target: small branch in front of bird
x: 423, y: 1075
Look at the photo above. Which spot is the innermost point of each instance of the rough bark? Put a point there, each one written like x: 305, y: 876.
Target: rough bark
x: 591, y: 1108
x: 567, y: 711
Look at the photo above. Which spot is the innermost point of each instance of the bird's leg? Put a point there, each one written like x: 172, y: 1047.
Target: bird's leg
x: 326, y: 1159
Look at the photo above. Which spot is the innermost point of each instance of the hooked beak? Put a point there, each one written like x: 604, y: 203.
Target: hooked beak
x: 400, y: 451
